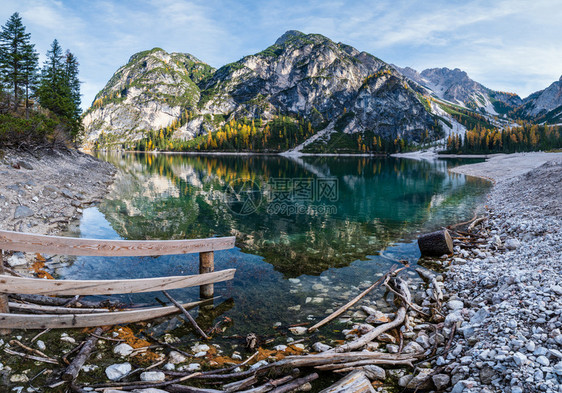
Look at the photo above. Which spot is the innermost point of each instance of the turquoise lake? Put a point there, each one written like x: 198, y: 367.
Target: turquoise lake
x: 311, y: 232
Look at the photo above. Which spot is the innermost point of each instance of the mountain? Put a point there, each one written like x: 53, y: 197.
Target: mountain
x: 151, y: 91
x: 457, y: 87
x: 544, y: 105
x: 333, y: 86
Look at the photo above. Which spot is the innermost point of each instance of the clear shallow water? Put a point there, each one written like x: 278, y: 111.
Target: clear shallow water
x: 311, y: 232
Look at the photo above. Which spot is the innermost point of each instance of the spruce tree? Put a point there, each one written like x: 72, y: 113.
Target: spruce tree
x: 29, y: 73
x: 59, y: 89
x: 15, y: 52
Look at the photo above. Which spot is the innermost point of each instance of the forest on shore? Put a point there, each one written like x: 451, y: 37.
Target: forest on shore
x: 38, y: 105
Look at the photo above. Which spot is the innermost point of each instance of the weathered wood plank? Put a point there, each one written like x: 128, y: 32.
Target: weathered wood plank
x: 27, y: 242
x: 36, y: 286
x: 54, y: 321
x: 40, y: 309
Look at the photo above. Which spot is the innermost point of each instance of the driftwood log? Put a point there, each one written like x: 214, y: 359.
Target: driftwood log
x: 436, y: 243
x: 73, y: 369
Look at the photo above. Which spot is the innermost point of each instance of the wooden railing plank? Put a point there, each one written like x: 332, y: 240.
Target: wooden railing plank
x: 27, y: 242
x: 55, y: 321
x: 36, y: 286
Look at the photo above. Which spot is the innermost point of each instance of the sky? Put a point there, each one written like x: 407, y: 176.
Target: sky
x: 507, y: 45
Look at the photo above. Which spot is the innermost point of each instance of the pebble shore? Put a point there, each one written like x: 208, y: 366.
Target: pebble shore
x: 510, y: 286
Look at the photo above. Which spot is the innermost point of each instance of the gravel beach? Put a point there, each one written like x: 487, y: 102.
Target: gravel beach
x: 510, y: 286
x: 42, y: 192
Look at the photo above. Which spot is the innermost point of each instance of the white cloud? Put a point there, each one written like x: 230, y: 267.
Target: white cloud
x: 506, y: 44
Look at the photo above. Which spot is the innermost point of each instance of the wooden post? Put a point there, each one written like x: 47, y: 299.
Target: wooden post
x: 206, y: 265
x: 3, y: 297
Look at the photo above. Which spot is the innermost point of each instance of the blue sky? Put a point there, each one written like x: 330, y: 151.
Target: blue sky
x: 510, y: 45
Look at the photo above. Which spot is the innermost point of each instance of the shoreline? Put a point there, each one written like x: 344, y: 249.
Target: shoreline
x: 44, y: 191
x: 507, y: 314
x: 428, y: 155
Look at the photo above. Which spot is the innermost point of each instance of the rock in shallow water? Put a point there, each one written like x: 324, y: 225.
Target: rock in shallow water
x: 116, y: 371
x: 123, y: 350
x: 153, y: 376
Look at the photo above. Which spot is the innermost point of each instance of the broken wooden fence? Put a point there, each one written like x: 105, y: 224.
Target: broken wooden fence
x: 53, y: 317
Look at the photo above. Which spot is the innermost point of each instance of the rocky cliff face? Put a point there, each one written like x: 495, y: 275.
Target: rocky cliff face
x: 306, y: 76
x: 457, y: 87
x: 545, y: 104
x: 149, y: 93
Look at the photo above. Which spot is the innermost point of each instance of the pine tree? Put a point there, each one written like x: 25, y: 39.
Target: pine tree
x: 14, y: 49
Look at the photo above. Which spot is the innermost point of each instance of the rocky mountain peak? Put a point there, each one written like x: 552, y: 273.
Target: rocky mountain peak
x: 289, y: 35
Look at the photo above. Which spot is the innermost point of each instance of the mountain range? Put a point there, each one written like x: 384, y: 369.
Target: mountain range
x: 334, y: 87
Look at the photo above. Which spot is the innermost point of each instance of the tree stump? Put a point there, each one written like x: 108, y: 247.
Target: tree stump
x: 436, y: 244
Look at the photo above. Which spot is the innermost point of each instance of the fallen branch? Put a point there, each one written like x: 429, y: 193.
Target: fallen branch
x: 73, y: 369
x: 40, y: 334
x: 344, y: 308
x: 31, y: 357
x: 187, y: 315
x: 141, y: 384
x: 476, y: 222
x: 60, y: 301
x: 295, y: 384
x: 270, y: 385
x: 239, y: 385
x: 31, y: 350
x: 367, y: 362
x: 428, y: 277
x: 370, y: 336
x: 463, y: 223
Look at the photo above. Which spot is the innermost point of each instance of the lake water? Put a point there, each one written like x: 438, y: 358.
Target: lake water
x: 311, y: 232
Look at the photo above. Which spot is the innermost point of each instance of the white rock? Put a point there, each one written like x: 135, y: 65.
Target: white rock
x: 200, y: 348
x: 543, y: 361
x: 512, y: 244
x: 66, y: 338
x: 258, y: 364
x: 175, y: 357
x: 519, y: 358
x: 556, y: 289
x: 153, y: 376
x: 321, y: 347
x: 17, y: 259
x: 455, y: 304
x: 298, y: 331
x: 116, y: 371
x: 280, y: 348
x: 89, y: 367
x: 41, y: 345
x: 413, y: 347
x: 123, y: 350
x: 19, y: 378
x: 169, y: 367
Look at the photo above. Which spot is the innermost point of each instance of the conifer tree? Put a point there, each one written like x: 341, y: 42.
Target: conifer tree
x: 16, y: 56
x: 59, y: 89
